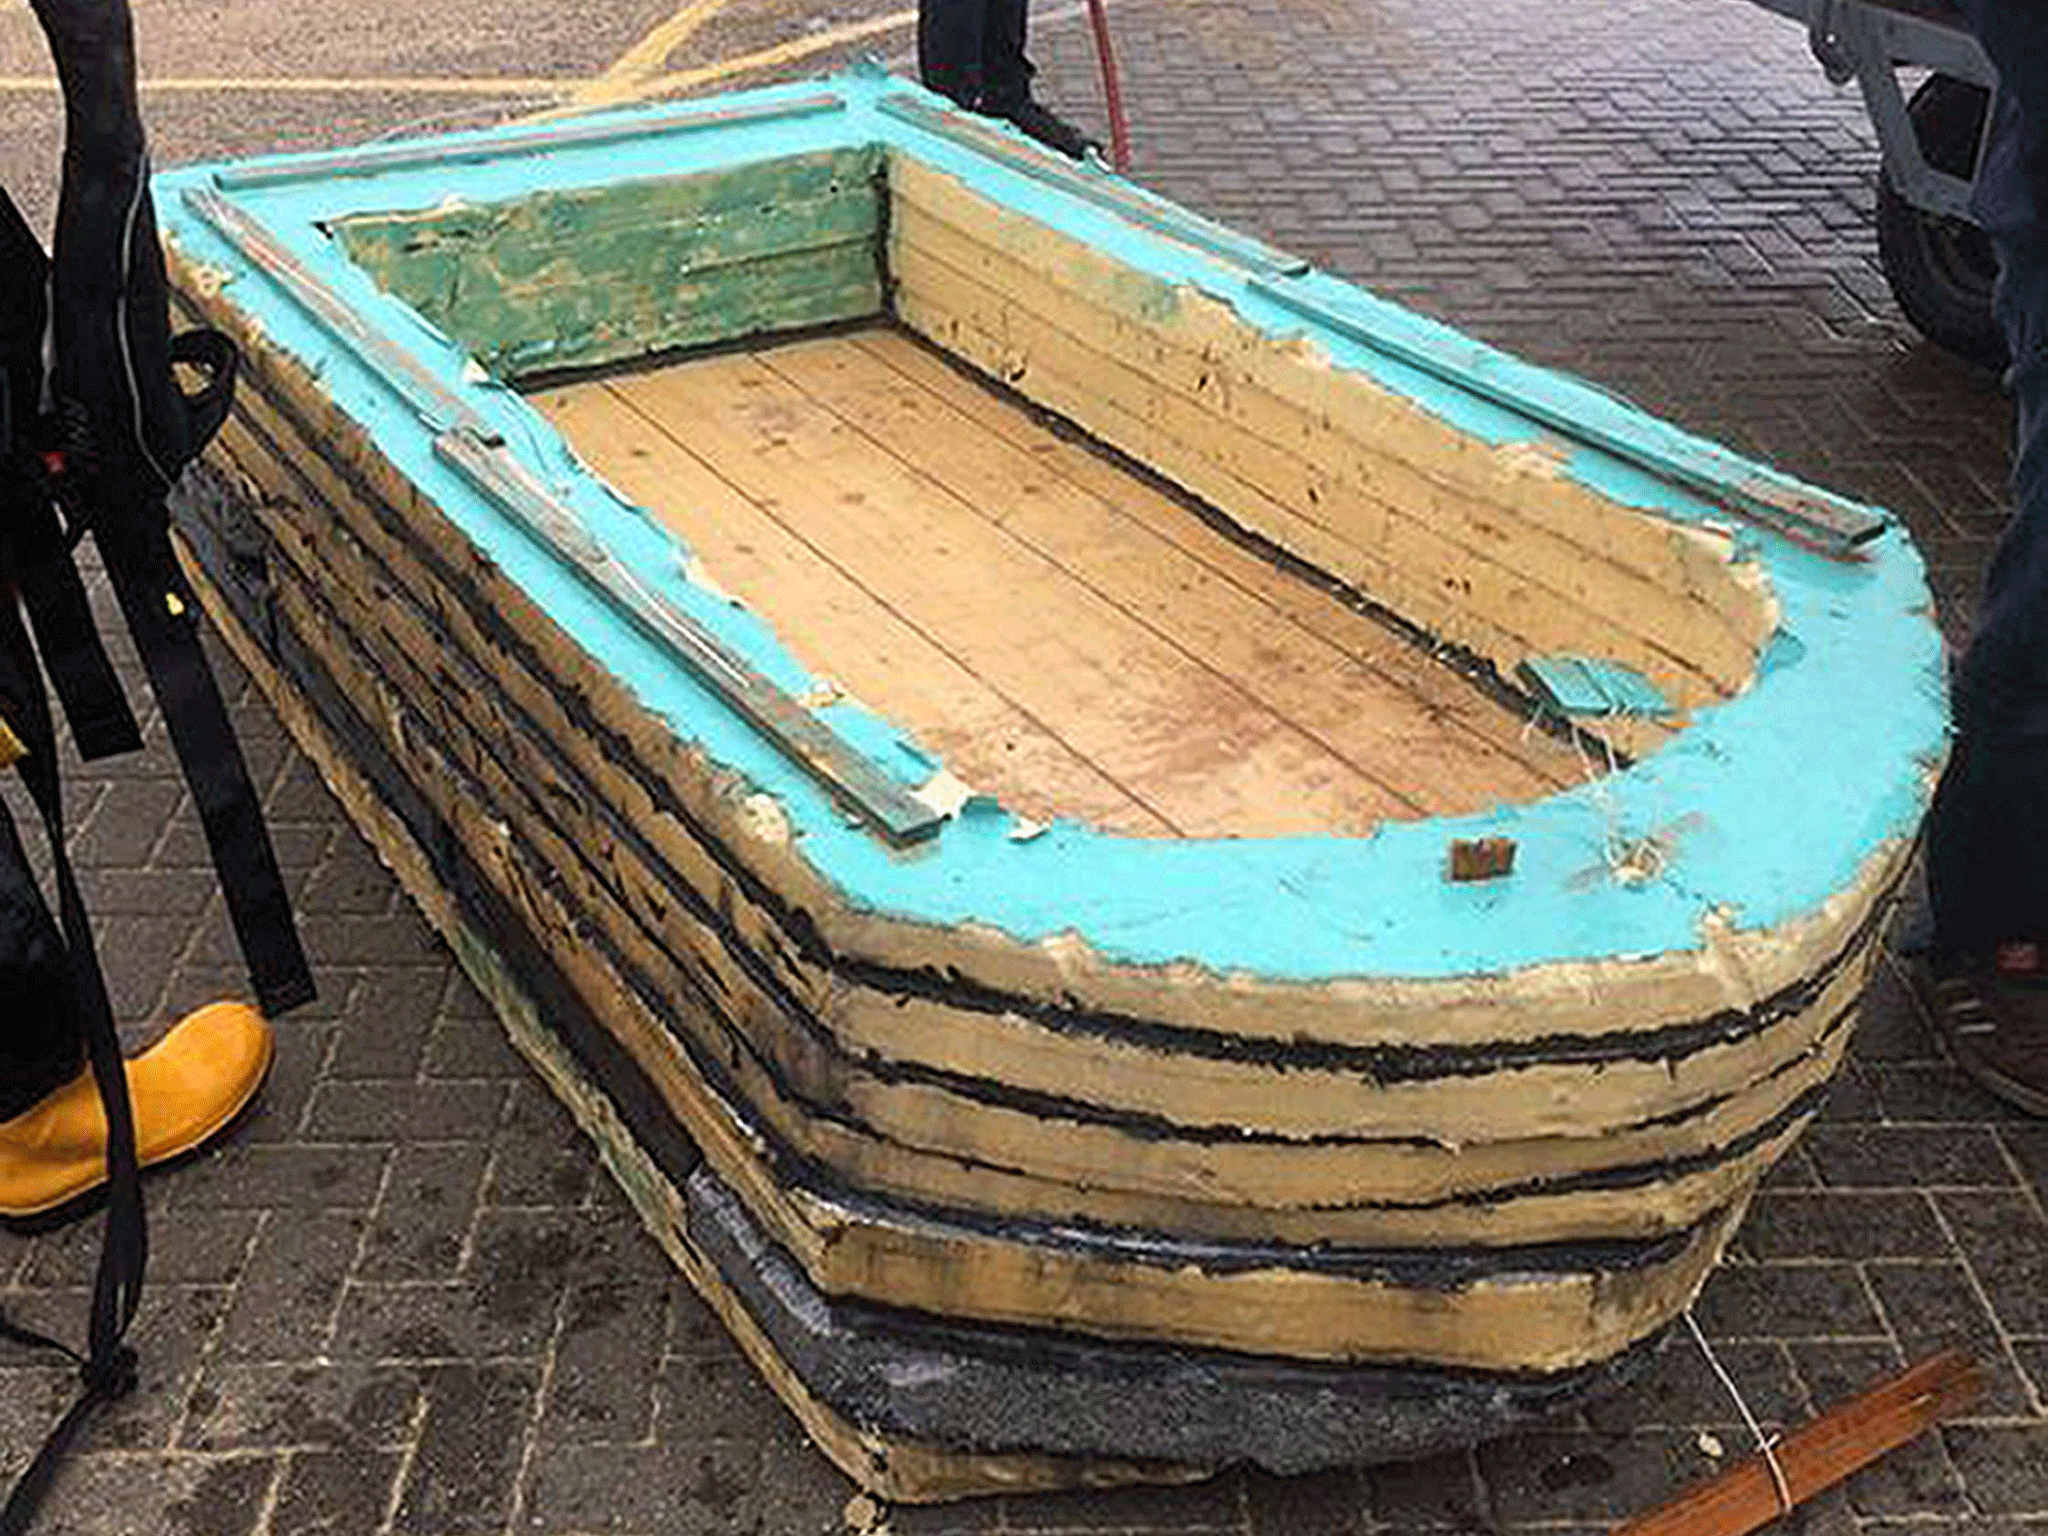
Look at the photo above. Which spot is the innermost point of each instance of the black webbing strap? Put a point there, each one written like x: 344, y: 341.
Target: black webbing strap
x: 163, y: 615
x: 107, y: 1369
x: 112, y: 376
x: 74, y: 656
x: 38, y: 551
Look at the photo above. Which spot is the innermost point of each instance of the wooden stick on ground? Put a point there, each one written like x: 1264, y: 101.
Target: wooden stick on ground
x: 1841, y: 1441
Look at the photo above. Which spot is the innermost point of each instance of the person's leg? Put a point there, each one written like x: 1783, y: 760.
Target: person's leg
x: 951, y: 47
x: 1988, y: 835
x: 1006, y: 74
x: 1005, y: 70
x: 41, y: 1048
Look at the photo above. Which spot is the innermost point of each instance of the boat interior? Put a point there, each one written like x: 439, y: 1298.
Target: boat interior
x: 1100, y: 545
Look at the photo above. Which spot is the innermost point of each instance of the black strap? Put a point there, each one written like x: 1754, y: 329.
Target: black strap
x: 81, y: 675
x: 107, y: 1370
x: 163, y: 615
x: 35, y: 549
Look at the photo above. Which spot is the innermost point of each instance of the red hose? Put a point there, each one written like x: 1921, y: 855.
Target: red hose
x: 1112, y: 88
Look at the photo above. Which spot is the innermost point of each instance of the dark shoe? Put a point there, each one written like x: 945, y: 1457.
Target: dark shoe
x: 1997, y: 1032
x: 1048, y: 127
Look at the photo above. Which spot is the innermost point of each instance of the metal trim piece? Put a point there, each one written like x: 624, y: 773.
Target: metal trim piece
x: 1817, y: 519
x: 583, y: 135
x: 887, y: 806
x: 474, y: 449
x: 1098, y: 187
x: 394, y: 365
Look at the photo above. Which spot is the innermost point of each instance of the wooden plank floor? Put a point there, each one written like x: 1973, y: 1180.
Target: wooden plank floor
x: 1062, y: 635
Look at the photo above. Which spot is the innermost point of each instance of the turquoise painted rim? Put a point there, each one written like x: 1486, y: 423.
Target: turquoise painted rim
x: 1772, y: 802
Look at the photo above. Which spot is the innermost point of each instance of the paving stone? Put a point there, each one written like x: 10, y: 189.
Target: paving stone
x: 691, y: 1491
x: 1835, y: 1370
x: 1933, y: 1091
x: 1551, y: 1476
x: 538, y: 1156
x: 1909, y: 1157
x: 424, y: 1216
x: 607, y: 1362
x: 1837, y: 1224
x: 459, y: 1321
x: 335, y: 1493
x: 1934, y: 1306
x: 1316, y: 1504
x: 388, y: 1022
x: 302, y: 1177
x: 283, y: 1308
x: 159, y: 1496
x: 2028, y: 1146
x: 266, y: 1407
x: 2032, y: 1355
x: 1681, y: 1390
x: 1786, y: 1301
x: 1216, y: 1504
x: 207, y: 1252
x: 474, y: 1048
x: 400, y: 1111
x: 973, y: 1517
x: 2004, y: 1240
x: 717, y: 1397
x: 1917, y: 1480
x: 1434, y: 1493
x: 470, y: 1447
x: 2005, y: 1467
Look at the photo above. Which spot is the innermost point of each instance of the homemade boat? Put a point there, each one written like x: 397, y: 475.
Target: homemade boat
x: 1137, y: 858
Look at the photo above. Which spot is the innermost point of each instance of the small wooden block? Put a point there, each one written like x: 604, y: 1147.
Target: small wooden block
x: 1482, y: 858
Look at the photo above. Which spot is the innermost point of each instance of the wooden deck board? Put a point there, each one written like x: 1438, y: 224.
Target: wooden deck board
x: 1064, y: 635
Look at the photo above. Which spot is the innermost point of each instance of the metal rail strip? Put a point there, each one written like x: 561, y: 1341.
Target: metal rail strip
x: 1825, y: 522
x: 472, y: 447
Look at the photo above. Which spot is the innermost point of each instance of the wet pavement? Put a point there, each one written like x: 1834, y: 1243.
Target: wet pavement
x: 404, y: 1299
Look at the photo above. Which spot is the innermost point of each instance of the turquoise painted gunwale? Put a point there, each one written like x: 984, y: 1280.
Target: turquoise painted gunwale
x: 1784, y: 792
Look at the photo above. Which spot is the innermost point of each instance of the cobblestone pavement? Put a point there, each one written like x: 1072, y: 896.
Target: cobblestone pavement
x: 403, y: 1299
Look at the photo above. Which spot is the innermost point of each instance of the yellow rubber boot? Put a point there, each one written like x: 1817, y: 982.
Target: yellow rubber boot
x: 186, y: 1088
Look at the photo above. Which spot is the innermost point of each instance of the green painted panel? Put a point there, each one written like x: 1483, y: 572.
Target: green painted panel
x: 605, y: 274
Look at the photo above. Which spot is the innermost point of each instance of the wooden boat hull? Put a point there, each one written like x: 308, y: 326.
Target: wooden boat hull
x: 985, y: 1139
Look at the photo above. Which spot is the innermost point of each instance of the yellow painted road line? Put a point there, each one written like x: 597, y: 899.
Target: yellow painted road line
x: 678, y: 81
x: 334, y: 85
x: 653, y: 87
x: 649, y: 56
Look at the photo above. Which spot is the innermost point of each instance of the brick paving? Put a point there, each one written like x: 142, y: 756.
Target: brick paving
x: 402, y: 1298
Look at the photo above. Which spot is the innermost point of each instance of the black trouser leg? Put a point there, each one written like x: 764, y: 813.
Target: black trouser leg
x: 1988, y: 841
x: 1005, y: 71
x: 41, y: 1047
x: 972, y: 51
x: 950, y: 37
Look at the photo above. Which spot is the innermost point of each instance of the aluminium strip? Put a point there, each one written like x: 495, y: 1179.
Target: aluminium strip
x: 887, y: 806
x: 474, y: 448
x: 1099, y: 187
x: 431, y: 399
x: 373, y: 160
x: 1825, y: 522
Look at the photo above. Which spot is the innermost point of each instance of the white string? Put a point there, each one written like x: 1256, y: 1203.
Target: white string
x: 1763, y: 1443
